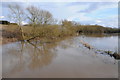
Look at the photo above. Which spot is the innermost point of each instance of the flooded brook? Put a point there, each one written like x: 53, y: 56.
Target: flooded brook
x: 64, y: 59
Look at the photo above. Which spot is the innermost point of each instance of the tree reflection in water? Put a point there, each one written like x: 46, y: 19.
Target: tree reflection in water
x: 31, y: 55
x: 61, y: 58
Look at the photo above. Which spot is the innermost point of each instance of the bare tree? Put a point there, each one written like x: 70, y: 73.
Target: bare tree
x: 33, y: 14
x: 17, y: 15
x: 47, y: 17
x: 38, y: 16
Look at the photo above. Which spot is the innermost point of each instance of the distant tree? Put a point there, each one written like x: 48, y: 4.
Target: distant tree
x: 33, y: 14
x: 4, y: 22
x: 66, y: 23
x: 38, y: 16
x: 47, y: 17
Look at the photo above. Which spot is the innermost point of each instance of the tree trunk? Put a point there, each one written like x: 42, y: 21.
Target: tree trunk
x: 21, y: 34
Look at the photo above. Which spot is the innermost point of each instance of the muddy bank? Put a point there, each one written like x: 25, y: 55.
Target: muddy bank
x: 7, y: 37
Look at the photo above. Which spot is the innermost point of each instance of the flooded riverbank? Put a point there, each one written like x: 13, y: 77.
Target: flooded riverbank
x: 102, y: 42
x: 65, y: 59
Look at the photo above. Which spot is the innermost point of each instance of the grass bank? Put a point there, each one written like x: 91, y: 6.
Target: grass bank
x: 49, y: 33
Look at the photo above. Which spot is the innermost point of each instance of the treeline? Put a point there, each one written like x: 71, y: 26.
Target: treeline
x: 111, y: 30
x: 43, y: 25
x: 96, y: 29
x: 4, y: 22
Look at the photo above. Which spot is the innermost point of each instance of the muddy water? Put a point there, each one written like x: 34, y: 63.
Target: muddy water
x: 65, y: 59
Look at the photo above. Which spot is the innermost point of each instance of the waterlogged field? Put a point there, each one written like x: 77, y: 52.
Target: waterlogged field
x: 64, y: 59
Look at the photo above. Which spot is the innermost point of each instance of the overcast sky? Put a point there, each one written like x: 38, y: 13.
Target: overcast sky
x: 102, y: 13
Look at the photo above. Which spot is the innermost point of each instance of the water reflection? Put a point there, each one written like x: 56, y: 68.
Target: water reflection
x: 26, y: 54
x: 40, y: 57
x: 67, y: 58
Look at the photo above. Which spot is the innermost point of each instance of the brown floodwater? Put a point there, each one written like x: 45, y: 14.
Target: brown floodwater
x: 64, y: 59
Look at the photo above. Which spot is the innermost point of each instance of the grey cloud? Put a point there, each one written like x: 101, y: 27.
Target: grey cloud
x: 91, y: 5
x: 91, y: 8
x: 95, y: 5
x: 5, y: 4
x: 77, y: 3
